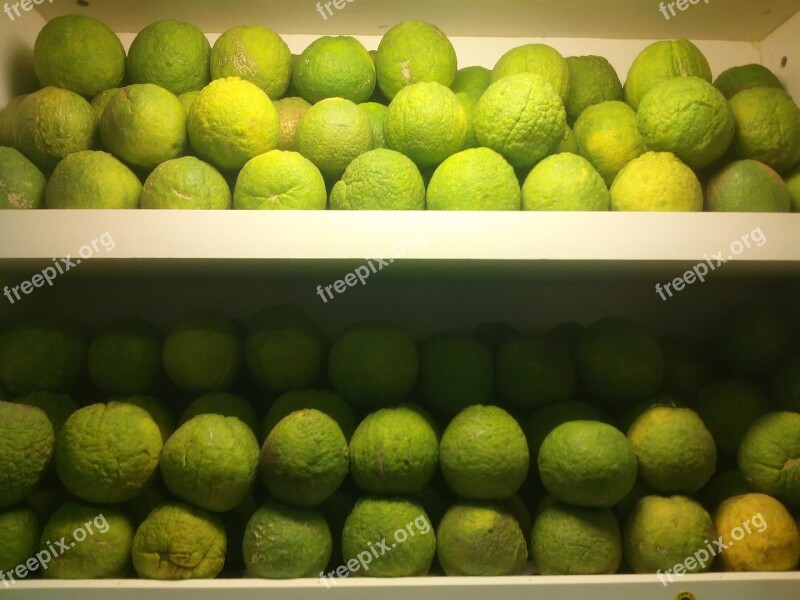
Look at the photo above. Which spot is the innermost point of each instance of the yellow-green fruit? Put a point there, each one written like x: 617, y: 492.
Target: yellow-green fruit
x: 394, y: 451
x: 231, y: 121
x: 676, y: 452
x: 211, y: 461
x: 587, y: 463
x: 662, y: 532
x: 286, y: 542
x: 177, y: 541
x: 26, y: 447
x: 280, y: 180
x: 108, y: 453
x: 785, y: 385
x: 688, y: 117
x: 564, y: 182
x: 472, y: 81
x: 480, y: 539
x: 283, y: 349
x: 44, y: 353
x: 608, y: 137
x: 760, y: 534
x: 380, y: 179
x: 768, y: 456
x: 470, y: 107
x: 290, y: 111
x: 203, y: 352
x: 373, y: 364
x: 326, y: 401
x: 661, y: 61
x: 22, y: 184
x: 52, y: 123
x: 256, y: 54
x: 61, y: 59
x: 170, y: 54
x: 753, y: 339
x: 101, y: 100
x: 545, y: 419
x: 569, y: 143
x: 144, y: 125
x: 187, y: 99
x: 426, y: 122
x: 332, y: 133
x: 572, y: 540
x: 521, y: 117
x: 92, y: 179
x: 57, y: 407
x: 413, y: 52
x: 659, y: 182
x: 401, y: 524
x: 334, y: 67
x: 158, y: 410
x: 225, y: 404
x: 793, y: 183
x: 624, y: 419
x: 483, y: 454
x: 20, y: 530
x: 539, y: 59
x: 592, y: 80
x: 304, y: 458
x: 99, y: 541
x: 474, y: 179
x: 7, y: 117
x: 377, y: 115
x: 124, y: 357
x: 737, y: 79
x: 185, y: 183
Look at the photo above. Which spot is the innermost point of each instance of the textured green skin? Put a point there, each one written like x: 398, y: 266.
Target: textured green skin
x: 90, y: 179
x: 283, y: 349
x: 472, y: 81
x: 619, y: 361
x: 570, y: 540
x: 793, y: 183
x: 543, y: 420
x: 290, y: 111
x: 657, y: 181
x: 285, y: 542
x: 22, y: 184
x: 785, y: 386
x: 187, y: 100
x: 124, y: 357
x: 483, y: 454
x: 380, y: 179
x: 688, y: 365
x: 26, y: 447
x: 60, y: 55
x: 377, y: 115
x: 101, y: 100
x: 52, y: 123
x: 7, y: 117
x: 374, y: 519
x: 750, y: 327
x: 203, y: 352
x: 108, y: 453
x: 747, y: 186
x: 480, y: 540
x: 470, y: 107
x: 304, y: 458
x: 332, y: 67
x: 327, y: 401
x: 662, y: 532
x: 676, y: 452
x: 178, y: 541
x: 736, y: 79
x: 172, y: 55
x: 211, y: 461
x: 569, y: 143
x: 768, y: 456
x: 394, y: 451
x: 373, y: 364
x: 625, y: 418
x: 661, y: 61
x: 19, y: 530
x: 538, y: 59
x: 186, y: 183
x: 592, y: 80
x: 280, y: 180
x: 455, y: 371
x: 411, y: 52
x: 474, y: 179
x: 535, y: 370
x: 255, y: 54
x: 225, y: 404
x: 57, y: 407
x: 44, y: 353
x: 565, y: 181
x: 587, y: 463
x: 101, y: 555
x: 158, y: 411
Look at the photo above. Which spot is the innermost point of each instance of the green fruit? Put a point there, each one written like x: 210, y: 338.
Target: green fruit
x: 747, y: 186
x: 26, y: 447
x: 211, y: 461
x: 723, y: 485
x: 92, y: 179
x: 587, y: 463
x: 177, y: 541
x: 483, y: 454
x: 186, y: 183
x: 380, y: 179
x: 569, y: 143
x: 225, y: 404
x: 538, y: 59
x: 394, y: 451
x: 101, y: 100
x: 285, y: 542
x: 592, y: 80
x: 793, y: 183
x: 377, y: 115
x: 61, y: 59
x: 657, y: 181
x: 785, y: 385
x: 624, y: 419
x: 470, y: 107
x: 571, y: 540
x: 480, y: 539
x: 736, y: 79
x: 688, y: 366
x: 304, y: 458
x: 474, y: 179
x: 472, y: 81
x: 187, y: 100
x: 325, y: 401
x: 108, y: 453
x: 495, y: 333
x: 290, y: 111
x: 20, y: 531
x: 57, y: 407
x: 564, y: 182
x: 280, y: 180
x: 7, y: 117
x: 156, y: 408
x: 334, y: 67
x: 545, y: 419
x: 22, y: 184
